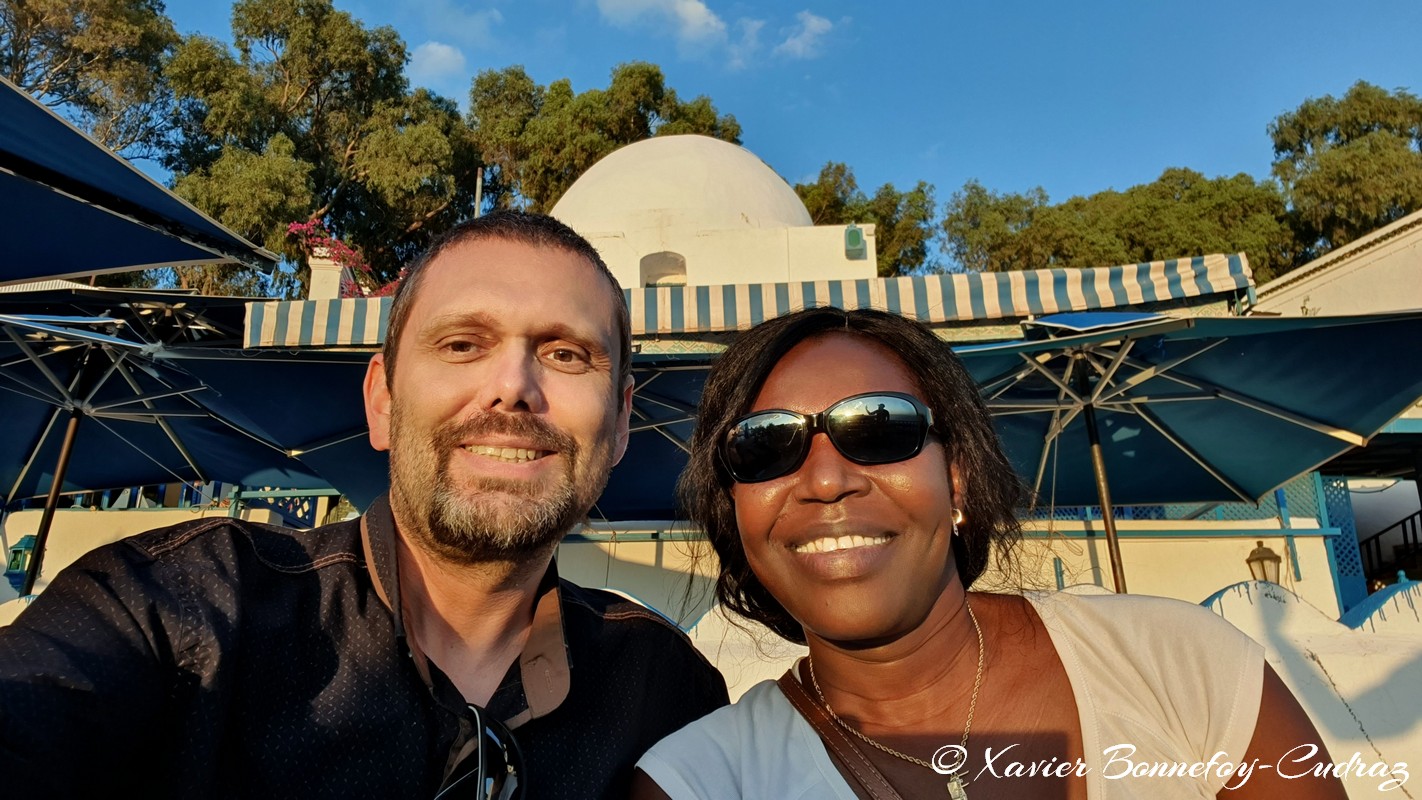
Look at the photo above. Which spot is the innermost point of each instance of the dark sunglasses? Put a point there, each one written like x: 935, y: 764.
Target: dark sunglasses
x: 872, y: 428
x: 489, y: 768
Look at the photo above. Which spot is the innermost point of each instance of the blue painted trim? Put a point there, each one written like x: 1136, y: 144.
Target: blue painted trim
x: 1004, y: 296
x: 1059, y: 290
x: 1088, y: 289
x: 678, y: 309
x: 283, y: 313
x: 1405, y: 425
x: 384, y: 319
x: 862, y: 294
x: 920, y: 299
x: 1034, y: 293
x: 1320, y: 501
x: 1337, y: 585
x: 649, y: 308
x: 728, y: 306
x: 892, y: 304
x: 257, y: 314
x: 1358, y: 615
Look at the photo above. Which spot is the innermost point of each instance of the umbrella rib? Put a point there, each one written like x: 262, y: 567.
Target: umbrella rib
x: 162, y: 423
x: 145, y: 398
x: 1118, y: 358
x: 49, y: 426
x: 657, y: 426
x: 1049, y: 375
x: 44, y: 369
x: 319, y: 444
x: 1061, y: 417
x: 654, y: 424
x: 1145, y: 371
x: 34, y: 393
x: 666, y: 403
x: 1342, y: 434
x: 674, y: 440
x: 34, y: 454
x: 147, y: 455
x: 995, y: 387
x: 1191, y: 454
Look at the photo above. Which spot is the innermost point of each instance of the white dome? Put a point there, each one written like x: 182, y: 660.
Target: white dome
x: 682, y: 182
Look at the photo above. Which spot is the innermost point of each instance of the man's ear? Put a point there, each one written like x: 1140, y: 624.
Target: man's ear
x: 624, y: 422
x: 377, y: 403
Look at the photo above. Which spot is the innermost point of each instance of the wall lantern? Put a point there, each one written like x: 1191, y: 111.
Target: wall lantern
x: 856, y: 247
x: 1264, y: 563
x: 17, y: 563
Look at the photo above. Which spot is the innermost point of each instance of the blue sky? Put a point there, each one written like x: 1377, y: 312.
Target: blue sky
x: 1075, y: 97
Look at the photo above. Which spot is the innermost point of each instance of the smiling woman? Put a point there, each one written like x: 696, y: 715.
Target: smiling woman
x: 863, y: 542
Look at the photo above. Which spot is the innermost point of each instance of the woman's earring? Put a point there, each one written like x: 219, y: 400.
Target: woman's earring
x: 957, y: 519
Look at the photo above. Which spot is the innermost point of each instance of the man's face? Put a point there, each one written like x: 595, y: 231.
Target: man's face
x: 502, y: 419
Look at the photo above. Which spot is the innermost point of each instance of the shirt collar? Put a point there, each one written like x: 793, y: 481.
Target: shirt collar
x: 544, y: 672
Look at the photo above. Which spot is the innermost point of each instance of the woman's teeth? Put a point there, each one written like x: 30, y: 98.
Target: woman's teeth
x: 830, y: 544
x: 513, y: 455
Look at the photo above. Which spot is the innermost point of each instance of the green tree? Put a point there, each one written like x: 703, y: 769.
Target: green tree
x: 538, y: 140
x: 97, y: 61
x: 1349, y: 165
x: 1182, y: 213
x: 904, y: 221
x: 311, y: 118
x: 989, y: 232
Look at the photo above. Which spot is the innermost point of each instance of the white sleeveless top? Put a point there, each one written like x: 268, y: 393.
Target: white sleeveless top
x: 1173, y: 681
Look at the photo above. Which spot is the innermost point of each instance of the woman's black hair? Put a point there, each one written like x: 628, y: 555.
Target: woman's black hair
x: 991, y: 489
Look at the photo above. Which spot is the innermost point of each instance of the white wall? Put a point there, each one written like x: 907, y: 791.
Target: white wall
x: 1386, y: 276
x: 76, y: 531
x: 1170, y: 562
x: 750, y: 255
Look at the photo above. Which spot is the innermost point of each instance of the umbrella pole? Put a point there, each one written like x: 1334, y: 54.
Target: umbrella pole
x: 1108, y: 514
x: 51, y: 503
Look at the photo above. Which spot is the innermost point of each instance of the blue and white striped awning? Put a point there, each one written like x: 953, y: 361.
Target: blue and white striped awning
x: 709, y: 309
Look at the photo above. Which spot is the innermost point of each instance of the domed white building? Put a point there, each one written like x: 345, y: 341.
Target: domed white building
x: 693, y: 210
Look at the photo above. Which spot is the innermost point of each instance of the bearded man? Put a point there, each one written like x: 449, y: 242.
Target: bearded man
x: 427, y: 649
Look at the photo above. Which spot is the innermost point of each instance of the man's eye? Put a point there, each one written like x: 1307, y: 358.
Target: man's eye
x: 572, y: 359
x: 460, y: 346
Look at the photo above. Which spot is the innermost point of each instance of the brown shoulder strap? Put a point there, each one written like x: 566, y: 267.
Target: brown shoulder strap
x: 871, y: 782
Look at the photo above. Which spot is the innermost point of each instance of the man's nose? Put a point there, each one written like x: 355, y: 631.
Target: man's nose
x: 514, y: 381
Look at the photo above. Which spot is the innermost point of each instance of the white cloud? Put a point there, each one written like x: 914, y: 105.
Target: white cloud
x: 803, y: 39
x: 433, y: 61
x: 740, y: 51
x: 694, y: 23
x: 469, y: 27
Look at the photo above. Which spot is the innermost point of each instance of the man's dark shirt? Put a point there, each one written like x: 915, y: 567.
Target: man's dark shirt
x: 222, y: 658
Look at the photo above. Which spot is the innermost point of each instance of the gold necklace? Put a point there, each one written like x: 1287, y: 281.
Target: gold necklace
x: 955, y: 779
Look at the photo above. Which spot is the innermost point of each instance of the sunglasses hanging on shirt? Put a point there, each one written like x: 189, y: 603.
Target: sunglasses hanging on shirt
x: 491, y: 766
x: 873, y: 428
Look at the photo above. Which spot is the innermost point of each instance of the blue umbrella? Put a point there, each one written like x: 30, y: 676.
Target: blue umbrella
x: 69, y: 206
x: 318, y: 417
x: 1175, y: 410
x: 143, y: 421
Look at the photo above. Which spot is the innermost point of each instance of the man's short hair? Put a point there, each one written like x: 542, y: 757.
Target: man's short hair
x: 538, y: 230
